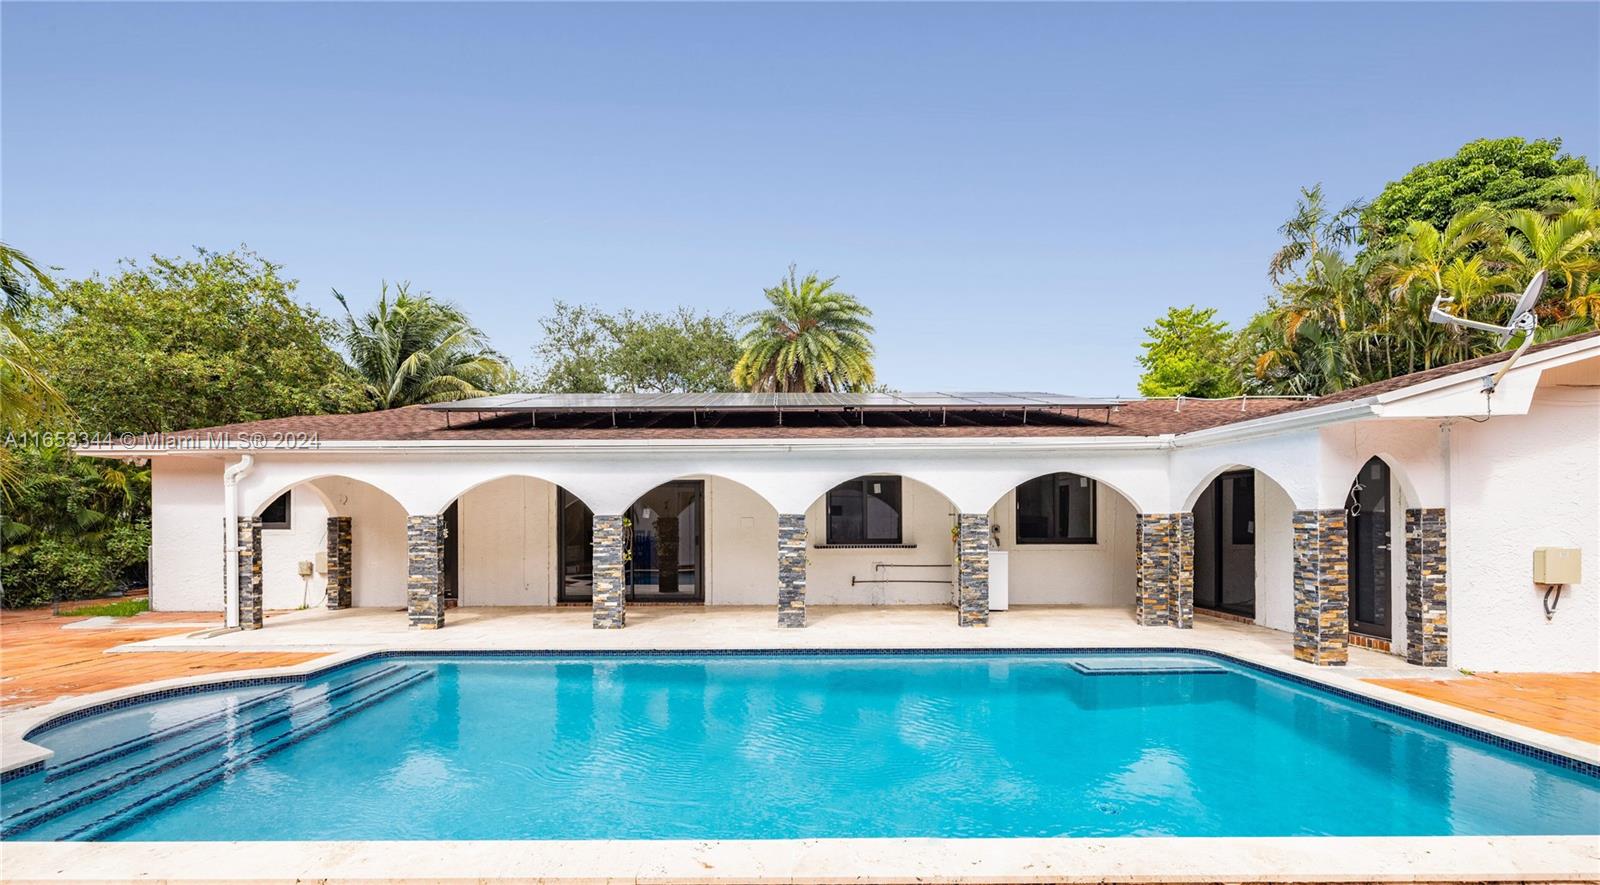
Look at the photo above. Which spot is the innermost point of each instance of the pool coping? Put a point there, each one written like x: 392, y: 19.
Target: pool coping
x: 1126, y: 859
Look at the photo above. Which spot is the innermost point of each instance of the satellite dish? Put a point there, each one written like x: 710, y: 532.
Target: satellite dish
x: 1523, y: 320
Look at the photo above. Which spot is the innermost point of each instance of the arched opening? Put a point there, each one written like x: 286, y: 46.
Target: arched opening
x: 1371, y: 508
x: 331, y: 541
x: 1063, y: 538
x: 880, y: 539
x: 495, y: 545
x: 1244, y: 547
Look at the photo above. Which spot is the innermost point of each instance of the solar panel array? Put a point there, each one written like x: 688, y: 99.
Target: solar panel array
x: 734, y: 402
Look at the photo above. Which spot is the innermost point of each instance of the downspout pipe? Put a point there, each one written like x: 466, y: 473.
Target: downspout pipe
x: 230, y: 535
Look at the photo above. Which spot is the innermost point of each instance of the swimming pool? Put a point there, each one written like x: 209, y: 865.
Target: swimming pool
x: 779, y: 746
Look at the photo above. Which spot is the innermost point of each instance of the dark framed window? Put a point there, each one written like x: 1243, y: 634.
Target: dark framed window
x: 1056, y: 509
x: 1243, y: 505
x: 865, y: 510
x: 276, y: 516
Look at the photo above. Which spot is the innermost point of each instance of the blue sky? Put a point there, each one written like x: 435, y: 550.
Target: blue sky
x: 1014, y: 189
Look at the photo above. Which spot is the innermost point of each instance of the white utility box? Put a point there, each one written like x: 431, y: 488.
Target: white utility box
x: 999, y: 580
x: 1557, y: 565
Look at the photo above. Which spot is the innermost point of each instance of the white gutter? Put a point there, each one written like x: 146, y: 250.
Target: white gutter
x: 230, y: 537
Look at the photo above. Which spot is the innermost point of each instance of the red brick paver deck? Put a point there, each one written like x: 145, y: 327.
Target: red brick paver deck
x: 40, y: 662
x: 1567, y: 704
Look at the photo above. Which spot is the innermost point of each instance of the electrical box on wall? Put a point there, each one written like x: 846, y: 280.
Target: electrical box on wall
x: 1557, y: 565
x: 321, y: 560
x: 305, y: 568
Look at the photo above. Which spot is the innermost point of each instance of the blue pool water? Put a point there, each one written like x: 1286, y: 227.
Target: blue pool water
x: 779, y: 746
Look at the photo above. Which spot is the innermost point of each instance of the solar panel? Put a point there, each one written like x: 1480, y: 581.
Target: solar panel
x: 683, y: 402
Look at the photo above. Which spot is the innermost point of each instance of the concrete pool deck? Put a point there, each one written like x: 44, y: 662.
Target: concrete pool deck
x: 346, y: 635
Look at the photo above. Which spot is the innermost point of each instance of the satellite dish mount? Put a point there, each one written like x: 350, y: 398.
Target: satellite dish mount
x: 1523, y: 320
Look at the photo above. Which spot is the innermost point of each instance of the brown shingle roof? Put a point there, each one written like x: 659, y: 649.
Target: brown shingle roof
x: 1133, y: 418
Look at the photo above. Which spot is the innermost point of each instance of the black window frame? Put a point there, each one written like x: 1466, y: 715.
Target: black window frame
x: 1058, y: 518
x: 288, y: 513
x: 860, y: 484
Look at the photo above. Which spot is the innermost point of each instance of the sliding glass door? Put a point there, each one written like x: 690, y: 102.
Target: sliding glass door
x: 665, y: 545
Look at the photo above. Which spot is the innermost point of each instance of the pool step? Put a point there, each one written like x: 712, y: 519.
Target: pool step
x: 89, y: 779
x: 1150, y: 667
x: 66, y: 768
x: 207, y: 752
x: 131, y: 813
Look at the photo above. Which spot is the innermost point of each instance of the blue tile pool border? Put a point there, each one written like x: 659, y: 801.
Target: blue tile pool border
x: 1559, y: 760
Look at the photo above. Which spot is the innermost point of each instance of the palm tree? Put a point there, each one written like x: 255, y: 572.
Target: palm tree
x: 1313, y: 229
x: 1316, y: 328
x: 811, y: 338
x: 26, y: 395
x: 1567, y: 247
x: 419, y: 349
x: 1427, y: 262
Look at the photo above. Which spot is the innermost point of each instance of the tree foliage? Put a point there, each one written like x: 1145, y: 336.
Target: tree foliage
x: 171, y: 344
x: 419, y: 349
x: 26, y: 396
x: 1189, y: 352
x: 1343, y: 319
x: 73, y: 527
x: 810, y: 338
x: 1504, y: 173
x: 179, y: 343
x: 588, y: 350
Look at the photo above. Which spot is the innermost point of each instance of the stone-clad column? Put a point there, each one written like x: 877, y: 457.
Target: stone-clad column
x: 1182, y: 593
x: 425, y: 544
x: 972, y: 556
x: 1322, y: 587
x: 1154, y: 548
x: 791, y: 569
x: 250, y: 613
x: 1427, y: 589
x: 610, y: 600
x: 339, y: 559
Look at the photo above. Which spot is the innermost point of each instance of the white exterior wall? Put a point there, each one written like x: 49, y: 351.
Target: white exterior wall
x: 741, y: 546
x: 186, y: 534
x: 1520, y: 482
x: 1274, y: 555
x: 1101, y: 573
x: 282, y: 550
x: 506, y: 543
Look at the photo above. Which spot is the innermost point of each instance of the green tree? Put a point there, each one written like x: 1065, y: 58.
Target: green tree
x: 810, y: 338
x: 74, y: 527
x: 587, y: 350
x: 419, y: 349
x: 26, y: 396
x: 1567, y: 247
x: 171, y: 344
x: 1188, y: 352
x: 1505, y: 173
x: 180, y: 343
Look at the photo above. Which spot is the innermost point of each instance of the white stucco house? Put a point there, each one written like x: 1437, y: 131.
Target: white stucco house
x: 1403, y: 515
